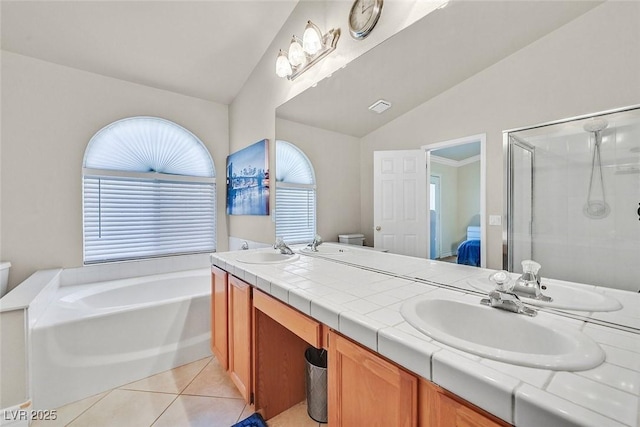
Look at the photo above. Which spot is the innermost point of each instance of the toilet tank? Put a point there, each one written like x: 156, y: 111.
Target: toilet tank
x: 351, y: 239
x: 4, y: 277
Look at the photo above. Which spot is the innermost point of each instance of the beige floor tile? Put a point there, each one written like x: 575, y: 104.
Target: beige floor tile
x: 213, y: 381
x: 124, y: 408
x: 248, y: 410
x: 201, y: 411
x: 67, y: 413
x: 295, y: 417
x: 172, y: 381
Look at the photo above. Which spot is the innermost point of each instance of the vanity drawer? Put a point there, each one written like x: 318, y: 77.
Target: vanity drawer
x: 301, y: 325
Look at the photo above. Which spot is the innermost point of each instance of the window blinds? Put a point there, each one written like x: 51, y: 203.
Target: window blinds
x: 295, y: 194
x: 134, y: 217
x: 295, y: 213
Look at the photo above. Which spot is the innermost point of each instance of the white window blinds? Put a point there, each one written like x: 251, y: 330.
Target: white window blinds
x: 295, y: 195
x: 138, y: 210
x: 295, y: 213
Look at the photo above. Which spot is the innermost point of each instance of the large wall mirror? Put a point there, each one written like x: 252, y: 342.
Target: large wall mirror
x: 414, y: 70
x: 573, y: 198
x: 332, y: 124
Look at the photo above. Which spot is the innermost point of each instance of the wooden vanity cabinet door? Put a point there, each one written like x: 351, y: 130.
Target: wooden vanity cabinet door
x: 366, y: 390
x: 439, y: 407
x: 240, y: 327
x: 219, y: 326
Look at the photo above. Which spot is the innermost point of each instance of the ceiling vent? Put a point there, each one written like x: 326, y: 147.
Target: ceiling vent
x: 380, y: 106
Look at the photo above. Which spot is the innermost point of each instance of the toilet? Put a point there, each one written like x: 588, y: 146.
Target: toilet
x: 351, y: 239
x: 4, y: 277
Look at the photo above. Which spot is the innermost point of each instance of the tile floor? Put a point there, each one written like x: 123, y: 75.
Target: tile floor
x: 194, y: 395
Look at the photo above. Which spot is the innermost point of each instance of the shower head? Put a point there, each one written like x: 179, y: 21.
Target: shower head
x: 595, y: 124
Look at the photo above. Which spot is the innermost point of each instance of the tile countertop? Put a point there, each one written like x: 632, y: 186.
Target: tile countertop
x: 359, y: 294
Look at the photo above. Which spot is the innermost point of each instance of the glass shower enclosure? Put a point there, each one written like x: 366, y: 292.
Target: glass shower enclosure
x: 572, y: 198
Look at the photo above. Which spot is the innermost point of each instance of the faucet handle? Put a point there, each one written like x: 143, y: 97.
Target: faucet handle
x: 530, y: 266
x: 503, y: 281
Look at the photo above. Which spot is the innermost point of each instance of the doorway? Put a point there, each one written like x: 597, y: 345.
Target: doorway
x: 457, y: 200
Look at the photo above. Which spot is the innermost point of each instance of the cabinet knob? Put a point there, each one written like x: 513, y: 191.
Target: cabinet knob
x: 378, y: 228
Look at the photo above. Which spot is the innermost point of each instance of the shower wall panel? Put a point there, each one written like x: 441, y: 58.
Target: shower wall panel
x: 569, y: 244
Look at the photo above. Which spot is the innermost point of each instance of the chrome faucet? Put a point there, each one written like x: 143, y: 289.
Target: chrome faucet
x: 502, y: 296
x: 528, y: 285
x: 282, y: 246
x: 245, y: 246
x: 317, y: 241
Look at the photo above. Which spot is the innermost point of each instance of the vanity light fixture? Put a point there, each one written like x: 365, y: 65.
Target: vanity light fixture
x: 305, y: 53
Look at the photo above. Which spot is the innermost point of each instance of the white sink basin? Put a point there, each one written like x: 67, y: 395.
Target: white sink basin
x: 265, y: 257
x: 325, y: 250
x: 504, y: 336
x: 565, y: 296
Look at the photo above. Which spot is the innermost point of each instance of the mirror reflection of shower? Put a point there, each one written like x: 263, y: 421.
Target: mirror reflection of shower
x: 596, y: 208
x: 572, y: 197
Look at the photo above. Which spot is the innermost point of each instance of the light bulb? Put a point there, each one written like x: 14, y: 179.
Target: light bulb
x: 283, y: 67
x: 296, y: 53
x: 312, y: 39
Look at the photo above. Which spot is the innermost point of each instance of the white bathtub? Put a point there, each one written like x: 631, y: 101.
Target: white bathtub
x: 99, y: 336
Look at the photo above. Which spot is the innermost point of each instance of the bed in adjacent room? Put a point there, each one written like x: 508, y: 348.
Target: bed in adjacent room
x: 469, y: 250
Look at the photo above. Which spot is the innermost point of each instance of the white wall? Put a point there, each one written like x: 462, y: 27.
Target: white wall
x: 49, y: 113
x: 468, y: 197
x: 449, y: 207
x: 589, y: 65
x: 337, y: 175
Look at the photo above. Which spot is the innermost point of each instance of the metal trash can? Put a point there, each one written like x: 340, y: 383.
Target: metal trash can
x: 316, y: 380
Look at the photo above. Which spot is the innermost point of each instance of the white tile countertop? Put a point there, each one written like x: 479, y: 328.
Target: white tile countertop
x: 359, y: 293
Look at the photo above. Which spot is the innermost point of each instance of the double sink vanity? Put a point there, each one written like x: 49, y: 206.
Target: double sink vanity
x: 409, y: 342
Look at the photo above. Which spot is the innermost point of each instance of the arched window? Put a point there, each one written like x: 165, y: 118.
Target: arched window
x: 295, y: 194
x: 148, y: 190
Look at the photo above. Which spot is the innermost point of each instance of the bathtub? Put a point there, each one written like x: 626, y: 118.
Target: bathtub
x: 95, y: 337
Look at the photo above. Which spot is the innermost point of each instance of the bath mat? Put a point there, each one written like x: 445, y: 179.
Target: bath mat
x: 254, y: 420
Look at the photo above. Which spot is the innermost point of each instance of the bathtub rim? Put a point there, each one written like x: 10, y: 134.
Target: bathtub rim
x: 58, y: 312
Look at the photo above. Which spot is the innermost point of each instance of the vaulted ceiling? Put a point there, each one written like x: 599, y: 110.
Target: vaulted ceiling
x: 205, y: 49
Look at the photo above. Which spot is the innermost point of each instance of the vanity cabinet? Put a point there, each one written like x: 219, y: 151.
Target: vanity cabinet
x: 240, y: 336
x: 261, y: 341
x: 219, y: 326
x: 365, y: 389
x: 439, y: 407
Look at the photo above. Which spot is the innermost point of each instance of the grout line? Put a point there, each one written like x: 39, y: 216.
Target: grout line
x: 242, y: 412
x: 211, y: 358
x: 89, y: 407
x: 164, y: 410
x: 212, y: 397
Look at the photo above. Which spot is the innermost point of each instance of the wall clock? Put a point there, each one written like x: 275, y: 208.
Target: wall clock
x: 363, y: 17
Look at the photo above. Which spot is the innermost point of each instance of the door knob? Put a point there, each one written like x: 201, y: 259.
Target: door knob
x: 378, y: 228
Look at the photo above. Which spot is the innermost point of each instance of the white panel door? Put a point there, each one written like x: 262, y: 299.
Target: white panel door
x: 400, y: 202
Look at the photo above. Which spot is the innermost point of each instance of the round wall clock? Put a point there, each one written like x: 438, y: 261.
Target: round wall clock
x: 363, y: 17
